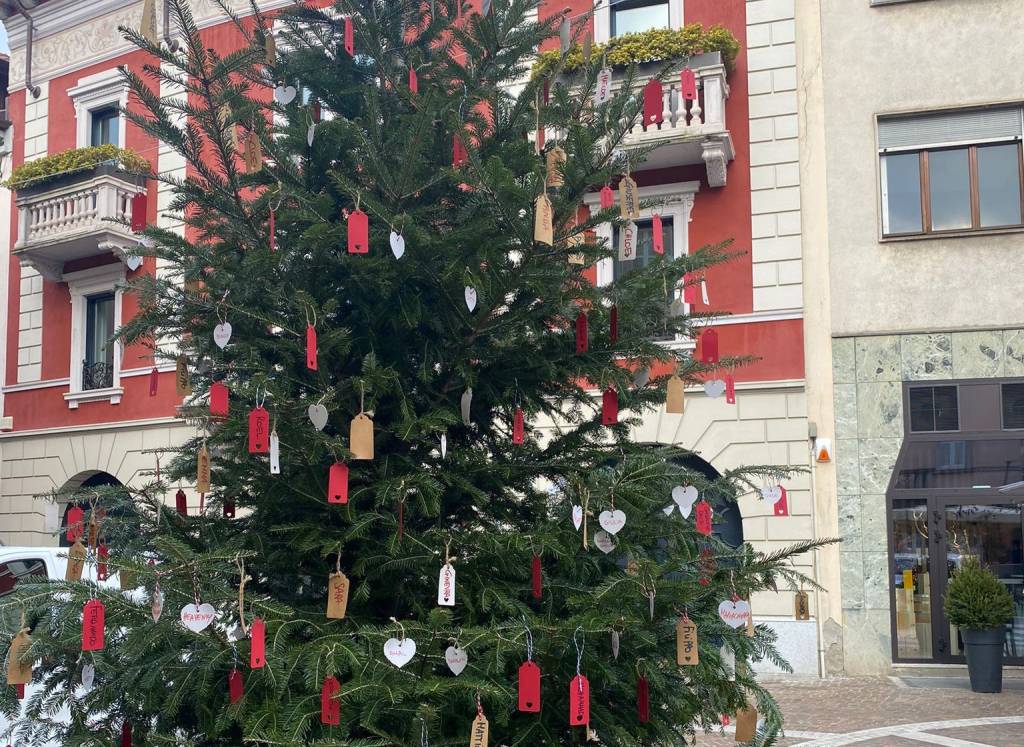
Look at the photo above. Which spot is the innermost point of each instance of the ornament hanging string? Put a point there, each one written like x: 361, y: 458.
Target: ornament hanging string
x: 529, y: 640
x: 242, y: 580
x: 580, y: 642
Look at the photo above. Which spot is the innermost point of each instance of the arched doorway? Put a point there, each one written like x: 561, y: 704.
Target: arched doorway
x: 73, y: 488
x: 728, y: 522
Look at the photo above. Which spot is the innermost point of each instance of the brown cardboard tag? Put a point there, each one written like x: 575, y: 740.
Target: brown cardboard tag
x: 147, y: 24
x: 270, y: 49
x: 543, y: 227
x: 337, y: 595
x: 629, y: 199
x: 556, y: 158
x: 182, y: 378
x: 687, y: 650
x: 479, y: 734
x: 19, y: 672
x: 675, y: 399
x: 253, y: 153
x: 361, y: 437
x: 203, y: 470
x: 76, y: 562
x: 750, y: 625
x: 746, y: 724
x: 802, y: 606
x: 94, y: 529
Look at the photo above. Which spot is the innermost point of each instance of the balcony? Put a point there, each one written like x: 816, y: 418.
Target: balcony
x: 73, y: 217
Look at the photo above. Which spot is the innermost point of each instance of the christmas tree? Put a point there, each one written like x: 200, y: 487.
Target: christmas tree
x: 424, y: 520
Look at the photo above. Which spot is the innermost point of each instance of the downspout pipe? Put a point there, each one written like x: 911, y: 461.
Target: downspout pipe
x: 171, y: 42
x: 30, y: 32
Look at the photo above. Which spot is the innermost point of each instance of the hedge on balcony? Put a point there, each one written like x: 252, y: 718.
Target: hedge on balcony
x: 655, y: 45
x: 48, y: 168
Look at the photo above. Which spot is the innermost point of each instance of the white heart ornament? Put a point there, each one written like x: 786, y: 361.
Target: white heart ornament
x: 734, y: 614
x: 88, y: 676
x: 456, y: 659
x: 399, y: 652
x: 612, y: 521
x: 284, y: 95
x: 772, y: 494
x: 132, y: 261
x: 317, y: 416
x: 577, y: 516
x: 604, y: 541
x: 669, y: 509
x: 470, y: 297
x: 310, y: 133
x: 714, y: 388
x: 198, y: 618
x: 222, y: 334
x: 685, y: 498
x: 397, y: 244
x: 157, y: 607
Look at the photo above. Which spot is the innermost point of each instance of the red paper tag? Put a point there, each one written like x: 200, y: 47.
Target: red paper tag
x: 579, y: 701
x: 689, y: 289
x: 126, y: 734
x: 350, y: 37
x: 709, y: 346
x: 76, y: 523
x: 139, y: 212
x: 258, y: 646
x: 782, y: 506
x: 311, y: 352
x: 272, y: 230
x: 582, y: 333
x: 154, y: 380
x: 337, y: 483
x: 236, y: 686
x: 518, y: 427
x: 703, y: 518
x: 658, y: 234
x: 259, y: 431
x: 730, y: 389
x: 228, y: 509
x: 181, y: 502
x: 102, y: 571
x: 459, y: 154
x: 654, y: 103
x: 19, y: 691
x: 358, y: 232
x: 725, y: 719
x: 610, y: 407
x: 93, y: 615
x: 607, y: 197
x: 643, y: 700
x: 529, y: 688
x: 414, y: 81
x: 536, y: 579
x: 541, y: 132
x: 547, y: 90
x: 613, y: 323
x: 218, y: 400
x: 330, y: 706
x: 688, y: 84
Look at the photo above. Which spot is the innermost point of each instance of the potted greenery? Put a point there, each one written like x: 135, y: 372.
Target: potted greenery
x: 981, y: 607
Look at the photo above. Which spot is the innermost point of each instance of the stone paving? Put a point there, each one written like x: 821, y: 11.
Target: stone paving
x: 893, y: 712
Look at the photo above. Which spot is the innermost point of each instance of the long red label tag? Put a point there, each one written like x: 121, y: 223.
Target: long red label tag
x: 607, y: 197
x: 236, y: 686
x: 76, y: 523
x: 582, y: 333
x: 536, y: 579
x: 613, y: 323
x: 579, y: 701
x: 228, y: 508
x: 93, y: 614
x: 782, y: 505
x: 218, y: 400
x: 337, y: 483
x: 350, y: 37
x: 259, y: 431
x: 709, y: 346
x: 358, y: 232
x: 154, y: 381
x: 258, y: 645
x: 730, y: 389
x: 610, y: 407
x: 643, y: 700
x: 414, y: 81
x: 529, y: 688
x: 658, y: 234
x: 703, y: 518
x: 330, y: 706
x: 272, y: 230
x: 126, y: 734
x: 459, y: 153
x: 654, y: 103
x: 181, y: 502
x: 102, y: 571
x: 689, y: 289
x: 139, y: 212
x: 311, y: 348
x: 688, y: 84
x: 518, y: 427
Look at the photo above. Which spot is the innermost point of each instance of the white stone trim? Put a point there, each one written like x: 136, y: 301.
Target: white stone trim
x: 33, y: 385
x: 88, y: 427
x: 82, y: 284
x: 97, y: 91
x: 603, y: 18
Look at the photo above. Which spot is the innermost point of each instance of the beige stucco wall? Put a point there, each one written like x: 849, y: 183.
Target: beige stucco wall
x: 898, y: 58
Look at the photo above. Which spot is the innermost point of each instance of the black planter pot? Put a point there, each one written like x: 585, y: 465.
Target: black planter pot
x: 984, y: 650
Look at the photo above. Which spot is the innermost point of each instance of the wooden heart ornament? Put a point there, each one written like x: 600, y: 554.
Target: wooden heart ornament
x: 685, y: 497
x: 399, y: 652
x: 197, y: 618
x: 456, y: 659
x: 612, y: 521
x: 735, y: 614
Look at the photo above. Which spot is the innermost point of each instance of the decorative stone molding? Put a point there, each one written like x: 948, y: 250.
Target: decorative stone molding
x: 717, y: 154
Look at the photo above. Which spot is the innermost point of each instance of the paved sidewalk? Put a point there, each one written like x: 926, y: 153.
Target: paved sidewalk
x: 891, y: 712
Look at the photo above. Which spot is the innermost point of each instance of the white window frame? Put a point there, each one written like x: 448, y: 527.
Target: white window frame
x: 98, y: 91
x: 81, y: 285
x: 603, y: 18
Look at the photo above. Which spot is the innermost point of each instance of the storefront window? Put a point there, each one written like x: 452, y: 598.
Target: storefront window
x: 912, y: 579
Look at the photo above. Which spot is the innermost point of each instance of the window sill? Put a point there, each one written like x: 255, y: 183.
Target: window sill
x: 951, y: 235
x: 112, y: 394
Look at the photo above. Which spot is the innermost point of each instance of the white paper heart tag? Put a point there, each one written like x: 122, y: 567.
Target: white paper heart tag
x: 88, y: 676
x: 604, y: 541
x: 157, y: 607
x: 284, y: 95
x: 577, y: 516
x: 198, y: 618
x: 685, y: 497
x: 734, y: 614
x: 714, y: 388
x: 397, y: 244
x: 310, y: 134
x: 222, y: 334
x: 446, y: 586
x: 772, y: 494
x: 470, y: 297
x: 132, y: 261
x: 317, y: 416
x: 669, y: 509
x: 399, y: 652
x: 612, y: 521
x: 456, y: 659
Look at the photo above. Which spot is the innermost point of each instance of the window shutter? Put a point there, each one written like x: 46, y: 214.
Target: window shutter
x: 950, y: 127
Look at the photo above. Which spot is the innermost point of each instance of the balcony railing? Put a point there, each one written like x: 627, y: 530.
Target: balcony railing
x: 73, y: 218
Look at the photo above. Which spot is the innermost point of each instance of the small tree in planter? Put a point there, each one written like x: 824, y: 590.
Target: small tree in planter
x: 981, y: 607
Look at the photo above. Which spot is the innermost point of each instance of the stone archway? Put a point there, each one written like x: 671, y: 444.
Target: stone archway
x: 81, y: 481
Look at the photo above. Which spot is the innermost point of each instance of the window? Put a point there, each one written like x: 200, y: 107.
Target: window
x: 644, y: 246
x: 1013, y: 406
x: 104, y: 124
x: 13, y: 571
x: 97, y: 367
x: 934, y: 408
x: 954, y: 172
x: 631, y: 16
x: 96, y: 306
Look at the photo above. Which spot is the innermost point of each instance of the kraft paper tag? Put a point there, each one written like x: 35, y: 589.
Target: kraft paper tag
x: 801, y: 606
x: 337, y: 596
x: 147, y: 24
x: 361, y: 437
x: 543, y: 227
x: 629, y: 199
x: 746, y: 724
x: 182, y: 378
x: 556, y: 159
x: 203, y: 470
x: 479, y: 734
x: 675, y: 400
x: 253, y: 153
x: 270, y: 49
x: 76, y: 562
x: 94, y: 529
x: 19, y: 672
x: 687, y: 649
